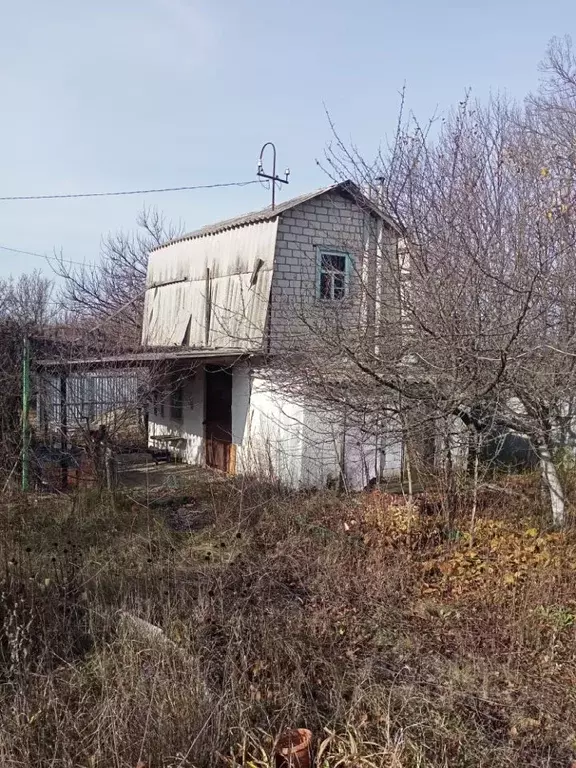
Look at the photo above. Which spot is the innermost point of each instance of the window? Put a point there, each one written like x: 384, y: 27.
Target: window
x: 158, y: 402
x: 333, y: 274
x: 176, y: 403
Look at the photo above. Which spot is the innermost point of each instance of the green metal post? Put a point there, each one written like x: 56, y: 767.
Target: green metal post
x: 25, y: 415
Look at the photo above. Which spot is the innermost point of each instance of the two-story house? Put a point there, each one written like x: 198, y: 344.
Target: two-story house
x: 231, y: 299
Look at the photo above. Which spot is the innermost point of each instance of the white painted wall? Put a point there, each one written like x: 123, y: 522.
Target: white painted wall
x: 190, y: 429
x: 321, y: 448
x: 301, y: 446
x: 276, y: 437
x: 362, y: 459
x: 390, y: 456
x: 272, y: 435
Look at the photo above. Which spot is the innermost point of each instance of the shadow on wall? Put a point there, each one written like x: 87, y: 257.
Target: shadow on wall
x: 509, y: 451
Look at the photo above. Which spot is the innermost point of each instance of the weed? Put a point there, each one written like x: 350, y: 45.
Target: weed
x: 360, y: 618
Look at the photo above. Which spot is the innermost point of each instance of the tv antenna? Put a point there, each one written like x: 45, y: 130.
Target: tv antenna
x: 272, y: 178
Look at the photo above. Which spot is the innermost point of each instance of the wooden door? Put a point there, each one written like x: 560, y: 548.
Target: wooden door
x: 218, y: 418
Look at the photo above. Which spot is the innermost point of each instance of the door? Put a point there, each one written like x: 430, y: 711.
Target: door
x: 218, y: 417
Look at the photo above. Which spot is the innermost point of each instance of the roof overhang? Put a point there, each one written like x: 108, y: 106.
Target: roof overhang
x: 149, y: 357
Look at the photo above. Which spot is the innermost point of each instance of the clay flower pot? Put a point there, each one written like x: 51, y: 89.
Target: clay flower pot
x: 294, y: 749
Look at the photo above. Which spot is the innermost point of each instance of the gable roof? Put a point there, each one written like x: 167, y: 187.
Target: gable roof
x: 346, y: 188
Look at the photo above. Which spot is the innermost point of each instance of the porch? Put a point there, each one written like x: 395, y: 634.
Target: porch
x: 183, y: 396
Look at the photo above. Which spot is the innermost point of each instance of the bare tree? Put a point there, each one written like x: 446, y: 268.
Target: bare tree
x: 469, y: 315
x: 110, y: 294
x: 27, y: 300
x: 25, y: 308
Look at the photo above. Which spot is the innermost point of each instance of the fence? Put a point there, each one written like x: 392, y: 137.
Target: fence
x: 87, y: 397
x: 70, y: 409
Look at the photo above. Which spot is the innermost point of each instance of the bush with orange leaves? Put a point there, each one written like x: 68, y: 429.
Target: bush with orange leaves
x: 487, y: 557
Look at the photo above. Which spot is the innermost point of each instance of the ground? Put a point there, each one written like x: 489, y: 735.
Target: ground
x: 185, y: 623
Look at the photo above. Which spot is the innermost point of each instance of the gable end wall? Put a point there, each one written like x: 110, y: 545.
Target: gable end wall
x: 331, y: 220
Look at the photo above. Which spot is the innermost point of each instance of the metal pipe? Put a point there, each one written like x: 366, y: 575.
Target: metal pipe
x: 26, y: 415
x: 64, y: 429
x: 273, y: 178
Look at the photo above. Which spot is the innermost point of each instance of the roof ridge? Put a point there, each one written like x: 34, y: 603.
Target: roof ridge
x: 268, y: 213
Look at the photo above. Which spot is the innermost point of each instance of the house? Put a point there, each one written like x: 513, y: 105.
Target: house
x: 227, y: 301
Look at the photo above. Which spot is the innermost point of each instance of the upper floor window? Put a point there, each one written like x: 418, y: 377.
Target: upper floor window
x: 333, y: 274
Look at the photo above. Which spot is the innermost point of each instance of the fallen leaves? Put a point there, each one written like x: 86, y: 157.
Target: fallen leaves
x: 497, y: 559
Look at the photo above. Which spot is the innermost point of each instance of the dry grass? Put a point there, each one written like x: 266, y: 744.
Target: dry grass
x: 397, y: 640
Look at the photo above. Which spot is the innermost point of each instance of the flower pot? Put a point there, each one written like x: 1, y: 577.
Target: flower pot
x: 294, y: 749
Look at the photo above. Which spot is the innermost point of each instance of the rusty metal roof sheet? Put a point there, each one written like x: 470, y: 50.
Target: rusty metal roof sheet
x: 266, y: 214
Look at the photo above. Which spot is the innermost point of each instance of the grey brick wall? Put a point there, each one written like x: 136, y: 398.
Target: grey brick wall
x: 329, y: 221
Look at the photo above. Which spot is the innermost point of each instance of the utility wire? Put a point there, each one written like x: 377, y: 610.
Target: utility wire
x: 130, y: 192
x: 49, y: 259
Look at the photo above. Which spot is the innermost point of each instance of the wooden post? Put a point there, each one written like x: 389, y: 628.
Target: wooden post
x: 208, y: 307
x: 109, y: 464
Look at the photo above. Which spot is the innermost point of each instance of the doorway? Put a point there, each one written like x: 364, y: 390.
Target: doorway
x: 220, y: 452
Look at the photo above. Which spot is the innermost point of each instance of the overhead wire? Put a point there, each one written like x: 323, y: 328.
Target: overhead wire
x: 129, y: 192
x: 44, y: 256
x: 51, y: 259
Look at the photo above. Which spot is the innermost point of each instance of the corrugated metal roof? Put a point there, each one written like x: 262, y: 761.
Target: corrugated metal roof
x: 266, y: 214
x: 155, y: 354
x: 200, y: 290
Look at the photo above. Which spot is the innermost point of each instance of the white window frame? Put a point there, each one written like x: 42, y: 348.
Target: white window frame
x: 321, y: 253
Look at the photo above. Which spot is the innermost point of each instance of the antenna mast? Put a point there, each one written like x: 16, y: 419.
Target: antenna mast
x: 273, y: 177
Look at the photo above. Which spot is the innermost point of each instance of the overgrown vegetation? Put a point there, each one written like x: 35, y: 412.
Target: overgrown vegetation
x: 399, y: 639
x: 25, y: 305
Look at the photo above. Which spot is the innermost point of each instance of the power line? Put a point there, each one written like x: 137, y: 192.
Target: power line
x: 49, y: 259
x: 130, y: 192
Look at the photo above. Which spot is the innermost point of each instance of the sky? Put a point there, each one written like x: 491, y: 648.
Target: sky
x: 120, y: 95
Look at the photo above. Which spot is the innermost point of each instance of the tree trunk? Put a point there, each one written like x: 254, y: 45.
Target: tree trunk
x: 474, y: 458
x: 553, y: 486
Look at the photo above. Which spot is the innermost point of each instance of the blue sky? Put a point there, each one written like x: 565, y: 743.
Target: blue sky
x: 123, y: 95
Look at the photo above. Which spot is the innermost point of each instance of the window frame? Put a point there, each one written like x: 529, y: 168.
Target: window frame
x: 177, y: 403
x: 158, y: 398
x: 327, y: 250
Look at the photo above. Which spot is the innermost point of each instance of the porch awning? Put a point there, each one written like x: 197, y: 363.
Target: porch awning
x: 147, y: 357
